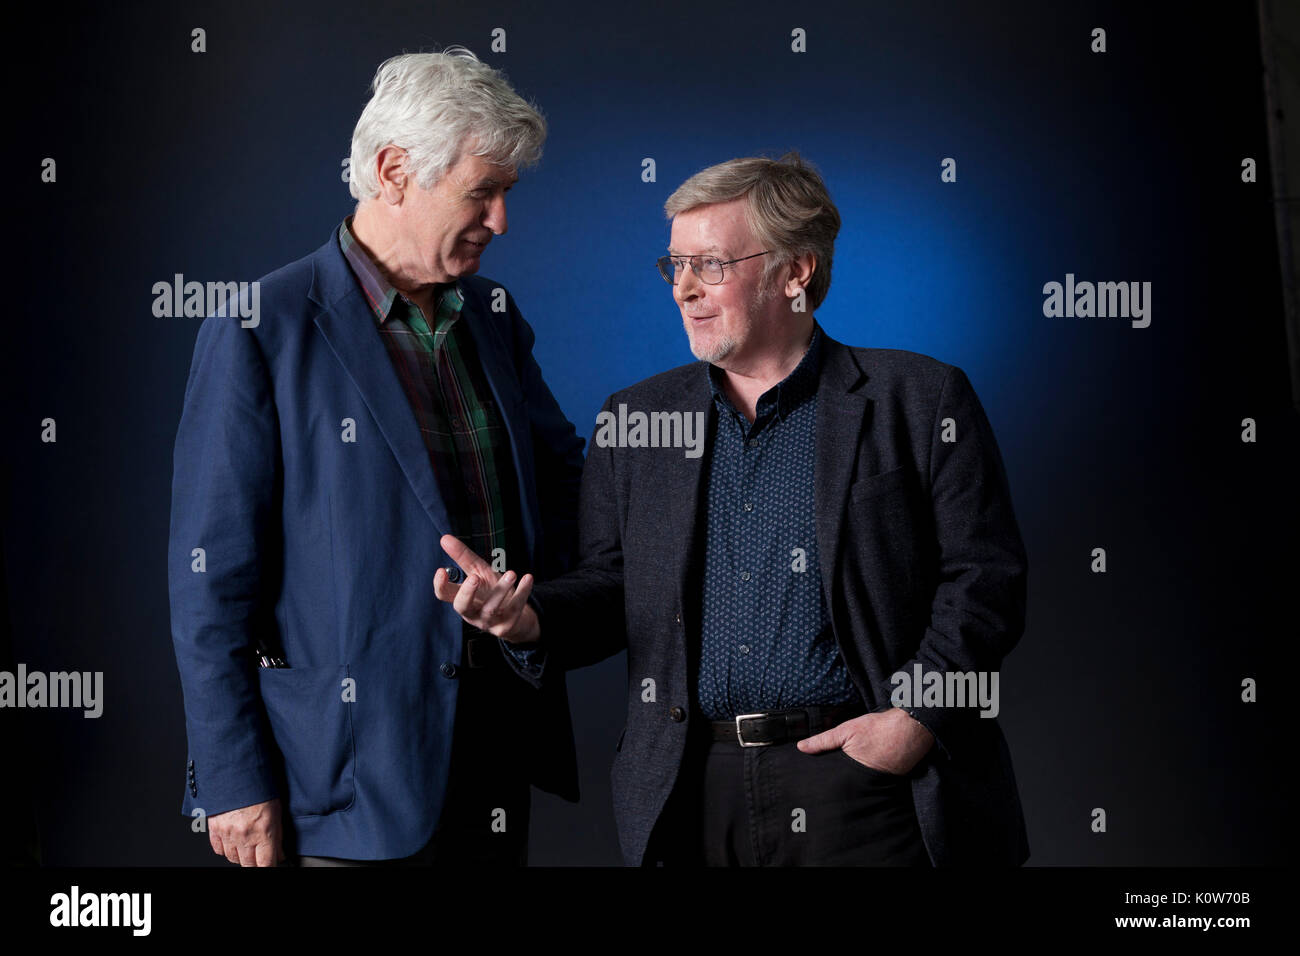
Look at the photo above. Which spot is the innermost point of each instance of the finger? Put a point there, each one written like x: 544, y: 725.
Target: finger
x: 247, y: 855
x: 214, y: 838
x: 496, y: 596
x: 232, y: 852
x: 827, y: 740
x: 265, y: 854
x: 443, y: 588
x: 469, y: 562
x: 514, y: 605
x: 465, y: 604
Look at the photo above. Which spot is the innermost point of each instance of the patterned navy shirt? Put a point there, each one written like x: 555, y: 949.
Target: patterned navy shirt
x: 766, y: 641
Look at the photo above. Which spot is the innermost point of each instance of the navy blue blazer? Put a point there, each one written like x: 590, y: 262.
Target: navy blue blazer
x: 327, y: 548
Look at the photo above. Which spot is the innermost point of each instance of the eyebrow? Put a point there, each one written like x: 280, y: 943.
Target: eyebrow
x: 493, y: 181
x: 708, y: 250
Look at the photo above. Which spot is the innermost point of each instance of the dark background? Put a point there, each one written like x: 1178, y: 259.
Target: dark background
x: 1125, y: 166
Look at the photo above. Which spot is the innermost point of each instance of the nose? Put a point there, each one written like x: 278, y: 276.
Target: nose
x: 688, y: 286
x: 495, y: 216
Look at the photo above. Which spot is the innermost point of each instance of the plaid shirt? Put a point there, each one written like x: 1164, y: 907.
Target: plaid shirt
x: 462, y: 428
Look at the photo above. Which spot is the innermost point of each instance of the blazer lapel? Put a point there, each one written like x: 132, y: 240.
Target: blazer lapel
x: 680, y: 482
x: 842, y: 416
x: 348, y: 325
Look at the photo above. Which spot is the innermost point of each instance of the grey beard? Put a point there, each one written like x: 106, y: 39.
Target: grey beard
x: 720, y: 350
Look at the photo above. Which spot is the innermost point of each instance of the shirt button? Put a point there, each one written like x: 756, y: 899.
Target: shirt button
x: 455, y: 423
x: 752, y: 443
x: 448, y: 669
x: 677, y: 714
x: 744, y: 648
x: 749, y: 506
x: 744, y: 575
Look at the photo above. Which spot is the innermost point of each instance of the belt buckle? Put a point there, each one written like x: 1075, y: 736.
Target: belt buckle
x: 743, y: 741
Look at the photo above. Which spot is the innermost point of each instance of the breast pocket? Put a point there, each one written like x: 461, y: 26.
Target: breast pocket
x: 312, y: 726
x: 874, y: 486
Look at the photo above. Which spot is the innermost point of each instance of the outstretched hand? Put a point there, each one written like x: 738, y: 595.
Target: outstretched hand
x: 489, y: 601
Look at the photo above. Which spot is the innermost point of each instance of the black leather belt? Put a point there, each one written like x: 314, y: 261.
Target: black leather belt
x: 782, y: 726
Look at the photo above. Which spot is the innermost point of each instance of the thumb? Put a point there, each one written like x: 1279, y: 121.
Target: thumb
x: 831, y: 739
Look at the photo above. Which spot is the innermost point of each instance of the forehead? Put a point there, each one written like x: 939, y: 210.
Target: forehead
x: 718, y: 227
x: 478, y: 168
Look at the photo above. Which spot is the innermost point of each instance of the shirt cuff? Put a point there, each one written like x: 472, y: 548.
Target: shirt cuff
x: 531, y: 657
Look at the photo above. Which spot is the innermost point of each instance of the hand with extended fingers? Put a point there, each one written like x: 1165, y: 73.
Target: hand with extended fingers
x: 492, y: 602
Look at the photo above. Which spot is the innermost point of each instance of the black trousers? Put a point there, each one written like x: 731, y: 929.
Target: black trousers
x: 778, y: 806
x: 484, y: 788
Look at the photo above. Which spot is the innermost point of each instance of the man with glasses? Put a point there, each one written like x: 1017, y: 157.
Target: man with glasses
x: 850, y: 521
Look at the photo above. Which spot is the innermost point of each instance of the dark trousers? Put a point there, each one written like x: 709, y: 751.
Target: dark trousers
x: 482, y: 781
x: 778, y: 806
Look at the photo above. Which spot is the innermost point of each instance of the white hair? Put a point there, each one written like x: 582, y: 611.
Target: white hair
x: 436, y: 106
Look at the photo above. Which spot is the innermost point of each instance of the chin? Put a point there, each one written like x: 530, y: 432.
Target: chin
x: 712, y: 351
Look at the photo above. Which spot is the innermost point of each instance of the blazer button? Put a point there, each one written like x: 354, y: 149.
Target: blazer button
x: 677, y: 619
x: 448, y: 669
x: 454, y: 574
x: 677, y: 714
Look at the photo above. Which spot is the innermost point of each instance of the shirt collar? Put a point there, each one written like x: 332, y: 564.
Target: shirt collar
x: 787, y: 394
x: 380, y: 293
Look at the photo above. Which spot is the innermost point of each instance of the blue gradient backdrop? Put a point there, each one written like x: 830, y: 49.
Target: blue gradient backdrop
x: 1124, y: 692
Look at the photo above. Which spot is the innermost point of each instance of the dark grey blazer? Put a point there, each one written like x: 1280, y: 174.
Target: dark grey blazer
x: 921, y: 559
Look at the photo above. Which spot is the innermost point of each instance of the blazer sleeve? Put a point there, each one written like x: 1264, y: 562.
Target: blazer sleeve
x: 978, y: 611
x: 225, y: 480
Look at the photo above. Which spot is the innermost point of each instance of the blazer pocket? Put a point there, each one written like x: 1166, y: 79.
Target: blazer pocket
x: 875, y: 485
x: 312, y: 726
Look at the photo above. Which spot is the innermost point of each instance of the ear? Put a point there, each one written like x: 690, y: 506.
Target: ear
x: 799, y: 273
x: 390, y: 170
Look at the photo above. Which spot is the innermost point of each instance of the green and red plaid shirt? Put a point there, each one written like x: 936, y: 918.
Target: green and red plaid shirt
x: 462, y: 428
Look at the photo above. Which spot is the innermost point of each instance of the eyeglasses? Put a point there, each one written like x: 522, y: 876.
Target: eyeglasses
x: 708, y: 269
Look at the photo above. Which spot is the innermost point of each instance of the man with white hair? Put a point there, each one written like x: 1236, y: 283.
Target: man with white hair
x: 336, y: 712
x: 849, y: 523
